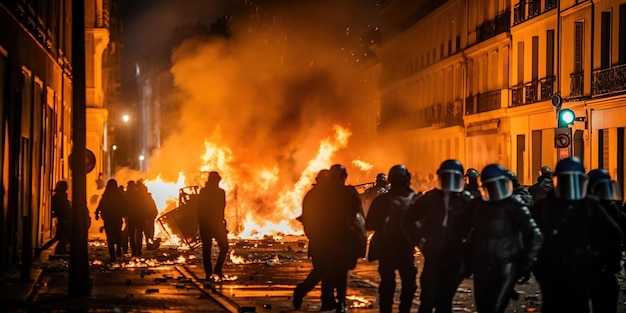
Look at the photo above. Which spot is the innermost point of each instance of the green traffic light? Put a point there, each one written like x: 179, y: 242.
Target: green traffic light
x: 566, y: 117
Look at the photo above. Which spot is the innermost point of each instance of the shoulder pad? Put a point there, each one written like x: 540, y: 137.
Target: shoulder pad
x: 519, y: 200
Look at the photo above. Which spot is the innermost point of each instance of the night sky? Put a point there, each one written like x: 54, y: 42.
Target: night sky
x: 148, y: 23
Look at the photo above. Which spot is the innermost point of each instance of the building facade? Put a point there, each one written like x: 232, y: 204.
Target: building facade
x: 502, y: 62
x: 35, y: 110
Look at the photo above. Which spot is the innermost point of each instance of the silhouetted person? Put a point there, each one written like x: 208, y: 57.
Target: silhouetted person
x: 124, y: 236
x: 471, y: 184
x: 380, y: 187
x: 112, y: 208
x: 210, y: 206
x: 519, y: 191
x: 505, y: 241
x: 150, y: 212
x: 62, y: 210
x: 543, y: 186
x: 571, y: 224
x: 313, y: 219
x: 341, y: 248
x: 135, y: 218
x: 604, y: 283
x: 392, y: 249
x: 443, y: 217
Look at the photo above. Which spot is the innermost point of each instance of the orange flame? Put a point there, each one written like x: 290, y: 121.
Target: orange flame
x: 256, y: 205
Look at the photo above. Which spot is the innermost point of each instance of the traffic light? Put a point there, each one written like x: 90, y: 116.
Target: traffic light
x: 566, y: 118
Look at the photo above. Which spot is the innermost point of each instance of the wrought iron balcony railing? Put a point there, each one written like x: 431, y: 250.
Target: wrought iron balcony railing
x: 534, y: 8
x: 494, y: 26
x: 608, y: 81
x: 483, y: 102
x: 550, y: 4
x: 517, y: 95
x: 519, y: 12
x: 547, y: 88
x: 530, y: 91
x: 576, y: 84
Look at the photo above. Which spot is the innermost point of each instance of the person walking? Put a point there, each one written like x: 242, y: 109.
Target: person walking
x: 112, y: 208
x: 210, y: 210
x: 313, y: 220
x: 149, y: 211
x: 505, y: 241
x: 381, y: 186
x: 571, y: 224
x: 135, y: 218
x: 389, y: 245
x: 604, y: 284
x: 341, y: 242
x: 62, y: 210
x: 442, y: 217
x: 543, y: 186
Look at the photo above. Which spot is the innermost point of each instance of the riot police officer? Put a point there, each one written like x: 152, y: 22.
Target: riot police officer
x: 604, y: 284
x: 394, y: 251
x: 519, y: 191
x: 472, y: 182
x: 443, y: 218
x: 500, y: 254
x: 380, y: 187
x: 543, y: 186
x: 569, y: 222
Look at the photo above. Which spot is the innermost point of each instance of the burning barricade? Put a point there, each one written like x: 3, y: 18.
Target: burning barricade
x: 181, y: 223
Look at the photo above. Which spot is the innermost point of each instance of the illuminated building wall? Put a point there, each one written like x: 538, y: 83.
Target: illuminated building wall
x: 509, y: 59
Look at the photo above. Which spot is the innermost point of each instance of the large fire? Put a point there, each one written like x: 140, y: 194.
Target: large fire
x: 257, y: 205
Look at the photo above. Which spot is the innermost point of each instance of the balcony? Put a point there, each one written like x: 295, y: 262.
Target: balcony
x: 547, y: 88
x: 517, y: 95
x: 608, y: 81
x: 519, y: 12
x: 530, y: 91
x: 550, y: 4
x: 534, y: 8
x: 483, y: 102
x: 494, y: 26
x: 576, y: 84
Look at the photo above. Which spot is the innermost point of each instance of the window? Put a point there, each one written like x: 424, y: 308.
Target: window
x: 622, y: 34
x: 550, y: 53
x: 535, y: 64
x: 520, y: 63
x: 578, y: 46
x: 605, y: 40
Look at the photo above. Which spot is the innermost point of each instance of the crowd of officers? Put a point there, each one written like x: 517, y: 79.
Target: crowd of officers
x: 128, y: 216
x: 567, y: 230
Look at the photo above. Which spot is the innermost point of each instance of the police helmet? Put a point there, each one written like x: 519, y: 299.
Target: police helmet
x: 513, y: 177
x: 339, y: 171
x: 61, y: 186
x: 546, y: 171
x: 472, y: 173
x: 602, y: 187
x: 450, y: 174
x: 381, y: 179
x: 571, y: 180
x: 399, y: 175
x: 497, y: 182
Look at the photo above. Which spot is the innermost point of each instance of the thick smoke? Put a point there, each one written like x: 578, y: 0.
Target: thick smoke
x: 271, y: 91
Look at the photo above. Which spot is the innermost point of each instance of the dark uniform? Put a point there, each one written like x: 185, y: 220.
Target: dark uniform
x: 604, y: 284
x: 380, y: 187
x: 471, y: 184
x: 571, y: 223
x: 543, y: 186
x: 394, y: 251
x: 500, y: 255
x: 340, y: 243
x: 62, y: 210
x: 314, y: 221
x: 210, y: 210
x: 444, y: 218
x: 112, y: 208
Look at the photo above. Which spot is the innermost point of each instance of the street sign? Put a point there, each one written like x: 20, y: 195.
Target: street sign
x: 90, y: 160
x: 562, y: 137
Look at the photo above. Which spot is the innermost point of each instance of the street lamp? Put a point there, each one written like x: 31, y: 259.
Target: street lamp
x: 141, y: 158
x: 125, y: 118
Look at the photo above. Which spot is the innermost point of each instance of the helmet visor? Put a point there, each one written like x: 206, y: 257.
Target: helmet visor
x: 607, y: 190
x: 571, y: 185
x: 497, y: 189
x: 452, y: 181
